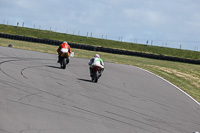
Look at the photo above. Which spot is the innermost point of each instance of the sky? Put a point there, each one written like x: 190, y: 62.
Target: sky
x: 166, y: 23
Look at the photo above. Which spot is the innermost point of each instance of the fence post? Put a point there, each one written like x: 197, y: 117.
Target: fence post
x: 17, y: 24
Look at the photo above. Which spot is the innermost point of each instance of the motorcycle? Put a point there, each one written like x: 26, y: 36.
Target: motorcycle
x: 96, y: 73
x: 64, y: 58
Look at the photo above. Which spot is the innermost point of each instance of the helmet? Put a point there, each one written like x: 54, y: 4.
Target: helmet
x: 97, y: 56
x: 65, y: 42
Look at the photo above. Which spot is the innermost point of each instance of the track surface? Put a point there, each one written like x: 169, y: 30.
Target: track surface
x: 36, y: 96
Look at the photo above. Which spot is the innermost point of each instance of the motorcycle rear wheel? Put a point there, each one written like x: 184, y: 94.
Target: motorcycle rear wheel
x: 63, y: 63
x: 95, y: 77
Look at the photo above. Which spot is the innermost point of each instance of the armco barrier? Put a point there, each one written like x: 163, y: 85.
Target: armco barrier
x: 101, y: 49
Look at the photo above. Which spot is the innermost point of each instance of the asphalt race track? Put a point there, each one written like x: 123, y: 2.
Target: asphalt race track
x: 36, y: 96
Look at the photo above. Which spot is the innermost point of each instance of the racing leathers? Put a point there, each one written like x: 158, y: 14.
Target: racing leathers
x: 95, y: 62
x: 66, y: 47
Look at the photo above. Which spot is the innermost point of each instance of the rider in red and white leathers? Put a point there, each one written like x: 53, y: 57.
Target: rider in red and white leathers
x: 64, y: 45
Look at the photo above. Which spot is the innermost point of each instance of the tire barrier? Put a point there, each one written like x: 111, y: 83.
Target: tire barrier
x: 100, y: 49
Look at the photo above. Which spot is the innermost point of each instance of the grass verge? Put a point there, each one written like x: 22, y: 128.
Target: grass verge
x: 185, y: 76
x: 46, y: 34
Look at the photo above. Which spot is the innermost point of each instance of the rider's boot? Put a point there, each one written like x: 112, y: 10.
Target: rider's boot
x: 91, y: 73
x: 58, y: 59
x: 67, y: 60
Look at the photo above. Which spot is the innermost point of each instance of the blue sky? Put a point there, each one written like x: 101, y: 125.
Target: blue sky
x: 169, y: 23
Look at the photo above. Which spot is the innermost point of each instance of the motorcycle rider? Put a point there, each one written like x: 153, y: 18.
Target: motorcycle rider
x: 96, y: 61
x: 64, y: 45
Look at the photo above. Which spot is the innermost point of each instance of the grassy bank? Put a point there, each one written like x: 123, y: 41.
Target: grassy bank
x: 99, y: 42
x: 185, y: 76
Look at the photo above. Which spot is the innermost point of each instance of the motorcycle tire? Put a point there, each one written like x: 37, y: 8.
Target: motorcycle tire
x: 96, y: 77
x: 63, y: 63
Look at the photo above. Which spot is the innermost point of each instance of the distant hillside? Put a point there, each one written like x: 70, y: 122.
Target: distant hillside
x: 44, y: 34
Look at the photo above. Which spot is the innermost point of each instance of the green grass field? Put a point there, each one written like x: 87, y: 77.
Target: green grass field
x: 185, y: 76
x: 45, y: 34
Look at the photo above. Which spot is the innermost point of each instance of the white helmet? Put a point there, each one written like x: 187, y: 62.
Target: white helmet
x: 65, y: 42
x: 97, y: 55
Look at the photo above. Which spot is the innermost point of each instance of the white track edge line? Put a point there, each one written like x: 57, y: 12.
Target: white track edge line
x: 172, y: 85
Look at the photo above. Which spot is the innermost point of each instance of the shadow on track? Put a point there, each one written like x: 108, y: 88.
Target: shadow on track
x: 86, y: 80
x: 53, y: 67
